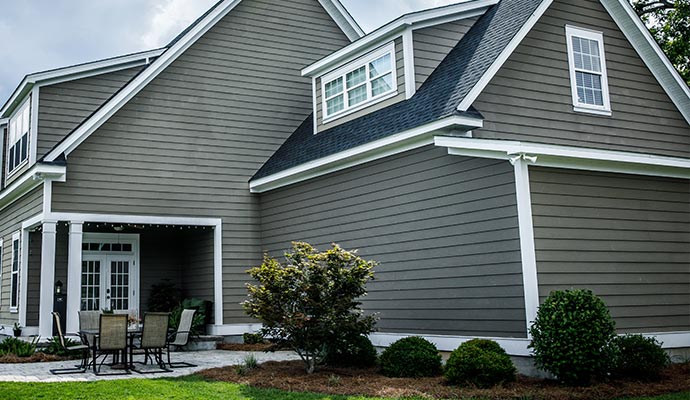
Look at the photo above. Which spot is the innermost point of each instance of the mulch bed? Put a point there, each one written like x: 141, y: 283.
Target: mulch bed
x: 35, y: 358
x: 290, y: 376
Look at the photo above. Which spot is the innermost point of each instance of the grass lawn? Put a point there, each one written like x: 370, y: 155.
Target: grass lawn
x: 177, y: 388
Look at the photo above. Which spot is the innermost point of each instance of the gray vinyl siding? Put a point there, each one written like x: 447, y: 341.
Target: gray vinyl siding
x: 198, y: 276
x: 443, y: 228
x: 626, y: 237
x: 189, y: 142
x: 33, y: 297
x: 160, y: 261
x: 11, y: 219
x: 530, y: 97
x: 400, y: 68
x: 64, y: 106
x: 432, y: 45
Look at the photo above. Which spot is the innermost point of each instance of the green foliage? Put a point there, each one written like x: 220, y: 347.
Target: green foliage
x: 639, y: 357
x: 203, y: 309
x: 250, y: 361
x: 479, y: 362
x: 311, y: 300
x: 54, y: 347
x: 253, y: 338
x: 164, y: 297
x: 411, y: 357
x: 352, y: 351
x: 17, y: 347
x: 571, y: 334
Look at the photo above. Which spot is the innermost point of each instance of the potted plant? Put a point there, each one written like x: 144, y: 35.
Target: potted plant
x: 17, y: 329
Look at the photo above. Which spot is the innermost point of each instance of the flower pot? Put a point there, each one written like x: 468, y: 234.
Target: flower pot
x: 17, y: 332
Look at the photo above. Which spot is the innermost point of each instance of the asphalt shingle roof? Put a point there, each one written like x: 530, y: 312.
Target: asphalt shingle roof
x: 437, y: 98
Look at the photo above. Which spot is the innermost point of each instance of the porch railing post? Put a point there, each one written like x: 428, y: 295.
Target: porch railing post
x: 76, y: 233
x: 45, y: 320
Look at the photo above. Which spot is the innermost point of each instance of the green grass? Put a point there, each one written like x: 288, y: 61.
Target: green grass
x: 673, y: 396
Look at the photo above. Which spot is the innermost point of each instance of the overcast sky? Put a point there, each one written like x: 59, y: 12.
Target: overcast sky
x: 43, y: 34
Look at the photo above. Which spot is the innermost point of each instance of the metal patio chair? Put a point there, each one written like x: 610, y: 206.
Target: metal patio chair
x: 111, y: 340
x: 154, y: 339
x: 181, y: 337
x: 88, y: 321
x: 84, y: 348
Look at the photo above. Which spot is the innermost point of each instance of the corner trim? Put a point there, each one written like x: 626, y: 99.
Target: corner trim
x: 408, y: 57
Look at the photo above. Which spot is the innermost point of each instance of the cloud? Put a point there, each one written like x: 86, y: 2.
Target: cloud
x: 372, y: 14
x: 170, y: 18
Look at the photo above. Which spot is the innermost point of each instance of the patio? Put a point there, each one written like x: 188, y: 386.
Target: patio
x: 40, y: 372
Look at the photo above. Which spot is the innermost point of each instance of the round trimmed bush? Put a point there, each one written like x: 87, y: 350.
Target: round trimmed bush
x: 353, y: 351
x: 571, y: 336
x: 411, y: 357
x: 639, y: 357
x: 479, y: 362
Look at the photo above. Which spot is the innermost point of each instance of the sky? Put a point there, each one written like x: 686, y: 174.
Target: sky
x: 43, y: 34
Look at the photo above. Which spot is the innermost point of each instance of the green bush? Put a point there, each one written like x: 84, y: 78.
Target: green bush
x: 478, y: 362
x: 164, y: 297
x: 17, y: 347
x: 639, y: 357
x: 352, y: 351
x: 253, y: 338
x: 571, y: 335
x: 411, y: 357
x: 54, y: 347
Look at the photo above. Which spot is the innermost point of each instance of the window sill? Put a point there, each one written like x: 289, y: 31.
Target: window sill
x: 585, y: 110
x: 14, y: 310
x: 359, y: 107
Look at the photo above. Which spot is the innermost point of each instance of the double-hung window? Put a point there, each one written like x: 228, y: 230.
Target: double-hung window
x: 365, y: 81
x: 14, y: 271
x: 18, y: 137
x: 588, y: 79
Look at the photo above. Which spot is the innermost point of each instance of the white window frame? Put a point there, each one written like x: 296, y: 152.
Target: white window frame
x: 342, y: 73
x: 570, y: 32
x: 17, y: 237
x: 26, y: 105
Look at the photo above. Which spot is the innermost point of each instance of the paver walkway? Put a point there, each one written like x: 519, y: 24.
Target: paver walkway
x: 40, y: 372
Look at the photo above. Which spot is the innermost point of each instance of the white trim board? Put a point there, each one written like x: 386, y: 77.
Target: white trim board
x: 232, y: 329
x: 557, y: 156
x: 343, y: 18
x: 395, y: 144
x: 31, y: 180
x: 513, y: 346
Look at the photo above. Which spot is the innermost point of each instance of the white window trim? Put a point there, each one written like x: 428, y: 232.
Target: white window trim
x: 571, y: 31
x: 15, y: 237
x: 342, y: 71
x: 27, y: 102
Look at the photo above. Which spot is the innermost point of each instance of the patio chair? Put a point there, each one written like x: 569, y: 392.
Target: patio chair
x: 181, y: 337
x: 84, y: 348
x: 111, y: 340
x: 88, y: 321
x: 154, y: 338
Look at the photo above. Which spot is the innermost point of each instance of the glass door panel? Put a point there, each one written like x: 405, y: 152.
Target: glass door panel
x: 90, y: 285
x: 119, y: 285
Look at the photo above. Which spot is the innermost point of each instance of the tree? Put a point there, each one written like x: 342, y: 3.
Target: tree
x: 669, y: 23
x: 311, y: 301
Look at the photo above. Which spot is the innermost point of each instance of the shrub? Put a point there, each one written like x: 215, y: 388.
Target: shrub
x: 353, y: 351
x: 639, y: 357
x: 164, y: 297
x: 252, y: 338
x: 478, y: 362
x: 54, y: 347
x: 203, y: 309
x: 17, y: 347
x: 311, y: 300
x: 571, y: 334
x: 411, y: 357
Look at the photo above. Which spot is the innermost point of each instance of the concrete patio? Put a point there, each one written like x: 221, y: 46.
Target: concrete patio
x: 40, y: 372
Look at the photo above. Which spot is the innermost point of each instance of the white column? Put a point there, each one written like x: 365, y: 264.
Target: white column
x: 218, y: 273
x: 527, y: 249
x: 45, y: 322
x: 76, y: 234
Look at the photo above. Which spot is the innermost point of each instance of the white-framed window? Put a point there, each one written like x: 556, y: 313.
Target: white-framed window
x: 360, y: 83
x: 14, y: 272
x: 588, y: 78
x: 18, y: 137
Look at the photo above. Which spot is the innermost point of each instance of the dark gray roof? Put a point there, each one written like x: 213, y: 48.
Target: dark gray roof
x: 437, y: 98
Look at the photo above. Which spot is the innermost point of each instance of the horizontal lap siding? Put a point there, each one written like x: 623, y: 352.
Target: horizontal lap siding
x: 188, y: 143
x: 11, y: 219
x: 161, y: 261
x: 62, y: 107
x: 443, y: 228
x: 530, y: 97
x: 625, y: 237
x: 197, y: 275
x: 432, y: 45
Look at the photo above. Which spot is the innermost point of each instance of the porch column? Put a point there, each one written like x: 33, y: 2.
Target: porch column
x: 76, y: 234
x: 45, y: 322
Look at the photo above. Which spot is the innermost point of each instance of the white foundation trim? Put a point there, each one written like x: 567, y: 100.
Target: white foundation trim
x: 232, y: 329
x: 513, y: 346
x: 45, y: 320
x: 671, y: 340
x: 74, y: 257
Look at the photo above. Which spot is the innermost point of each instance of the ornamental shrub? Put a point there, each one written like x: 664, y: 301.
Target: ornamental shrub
x: 54, y: 347
x: 411, y: 357
x: 571, y: 335
x: 352, y: 351
x: 639, y: 357
x: 479, y: 362
x: 16, y: 347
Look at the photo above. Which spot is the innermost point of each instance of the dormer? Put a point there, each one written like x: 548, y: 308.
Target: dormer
x: 388, y: 65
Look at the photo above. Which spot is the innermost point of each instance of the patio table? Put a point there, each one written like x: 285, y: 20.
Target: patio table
x: 132, y: 333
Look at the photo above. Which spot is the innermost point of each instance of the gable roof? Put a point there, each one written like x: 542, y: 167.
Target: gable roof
x: 176, y: 48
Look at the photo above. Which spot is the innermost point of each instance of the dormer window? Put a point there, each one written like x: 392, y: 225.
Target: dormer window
x: 365, y: 81
x: 590, y: 89
x: 18, y: 137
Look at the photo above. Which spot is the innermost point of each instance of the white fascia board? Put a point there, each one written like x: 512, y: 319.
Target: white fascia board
x: 392, y: 29
x: 570, y: 157
x: 134, y: 219
x: 395, y: 144
x: 648, y: 49
x: 78, y: 72
x: 343, y: 18
x: 31, y: 180
x: 143, y: 79
x: 503, y: 57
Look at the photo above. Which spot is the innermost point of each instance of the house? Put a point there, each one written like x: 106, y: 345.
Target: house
x: 485, y: 153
